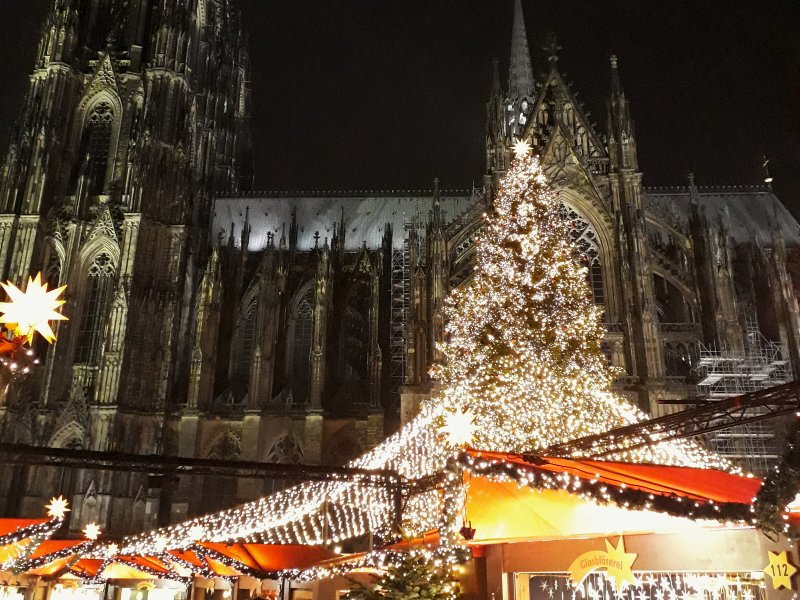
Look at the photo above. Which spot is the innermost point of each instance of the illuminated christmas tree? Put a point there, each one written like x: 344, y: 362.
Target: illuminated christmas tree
x: 522, y: 353
x: 523, y: 370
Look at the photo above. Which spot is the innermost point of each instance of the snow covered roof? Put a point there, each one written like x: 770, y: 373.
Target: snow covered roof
x: 752, y: 212
x: 365, y: 215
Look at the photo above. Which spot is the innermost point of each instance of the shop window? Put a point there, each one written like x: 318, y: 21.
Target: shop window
x: 651, y: 585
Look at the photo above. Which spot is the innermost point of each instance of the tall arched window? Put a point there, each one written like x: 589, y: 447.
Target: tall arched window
x: 96, y: 302
x: 98, y: 144
x: 299, y: 357
x: 584, y: 237
x: 355, y: 334
x: 246, y: 341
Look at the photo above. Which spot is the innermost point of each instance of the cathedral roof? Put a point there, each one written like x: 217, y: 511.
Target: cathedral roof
x: 365, y: 213
x: 752, y: 211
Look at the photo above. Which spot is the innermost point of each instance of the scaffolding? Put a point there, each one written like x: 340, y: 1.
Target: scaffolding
x: 725, y: 373
x: 401, y: 297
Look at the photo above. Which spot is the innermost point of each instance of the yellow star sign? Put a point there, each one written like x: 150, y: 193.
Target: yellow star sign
x: 459, y: 427
x: 614, y: 561
x: 57, y: 508
x: 32, y: 310
x: 780, y: 570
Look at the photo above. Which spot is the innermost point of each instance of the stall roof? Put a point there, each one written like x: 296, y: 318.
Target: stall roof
x: 687, y: 482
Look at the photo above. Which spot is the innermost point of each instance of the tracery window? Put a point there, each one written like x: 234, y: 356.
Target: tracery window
x: 96, y: 303
x: 678, y: 359
x: 247, y: 331
x: 355, y: 334
x: 301, y: 331
x: 98, y: 144
x: 584, y: 237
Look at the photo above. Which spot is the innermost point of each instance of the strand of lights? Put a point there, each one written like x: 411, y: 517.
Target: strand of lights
x: 39, y: 531
x: 522, y: 360
x: 203, y: 570
x: 594, y: 490
x: 203, y: 553
x: 379, y: 560
x: 39, y: 561
x: 56, y: 510
x: 157, y: 573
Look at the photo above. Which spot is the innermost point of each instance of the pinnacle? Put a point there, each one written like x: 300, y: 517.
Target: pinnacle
x: 520, y: 77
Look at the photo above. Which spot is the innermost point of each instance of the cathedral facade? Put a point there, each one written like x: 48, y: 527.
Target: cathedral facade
x: 210, y: 321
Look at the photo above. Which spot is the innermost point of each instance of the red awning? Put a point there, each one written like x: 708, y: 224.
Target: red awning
x: 687, y: 482
x: 270, y: 557
x: 11, y: 525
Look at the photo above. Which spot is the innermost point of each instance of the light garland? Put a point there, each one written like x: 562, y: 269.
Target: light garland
x: 56, y: 510
x: 522, y: 359
x: 40, y: 561
x: 596, y: 491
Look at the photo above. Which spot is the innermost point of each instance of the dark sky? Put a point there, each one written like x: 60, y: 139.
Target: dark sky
x: 391, y: 93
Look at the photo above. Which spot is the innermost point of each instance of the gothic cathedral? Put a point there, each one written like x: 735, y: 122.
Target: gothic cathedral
x: 211, y: 321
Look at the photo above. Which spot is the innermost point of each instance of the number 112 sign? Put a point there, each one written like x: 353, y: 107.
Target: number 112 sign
x: 780, y: 570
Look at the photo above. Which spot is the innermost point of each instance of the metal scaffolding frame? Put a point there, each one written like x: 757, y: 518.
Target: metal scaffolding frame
x: 725, y: 373
x: 709, y: 417
x: 400, y: 300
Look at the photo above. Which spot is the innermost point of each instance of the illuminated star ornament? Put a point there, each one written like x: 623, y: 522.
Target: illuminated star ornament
x: 780, y: 570
x: 32, y: 310
x: 57, y: 508
x: 459, y: 427
x: 91, y: 531
x: 521, y: 148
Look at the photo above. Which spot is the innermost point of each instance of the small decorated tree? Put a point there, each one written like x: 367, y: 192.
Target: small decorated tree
x: 416, y: 574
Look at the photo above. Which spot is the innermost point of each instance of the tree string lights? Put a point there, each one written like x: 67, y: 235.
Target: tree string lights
x: 522, y: 360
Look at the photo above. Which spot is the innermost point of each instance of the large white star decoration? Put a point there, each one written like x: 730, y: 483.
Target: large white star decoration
x: 32, y: 310
x: 196, y: 532
x: 521, y: 148
x: 57, y: 508
x: 91, y: 531
x: 459, y: 427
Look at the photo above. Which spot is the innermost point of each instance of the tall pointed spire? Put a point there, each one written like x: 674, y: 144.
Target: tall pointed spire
x: 621, y: 135
x: 520, y: 74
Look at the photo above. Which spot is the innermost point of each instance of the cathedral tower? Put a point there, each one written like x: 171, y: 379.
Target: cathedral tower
x: 135, y: 120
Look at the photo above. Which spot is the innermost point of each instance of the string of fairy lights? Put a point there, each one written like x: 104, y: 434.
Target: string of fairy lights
x: 523, y: 370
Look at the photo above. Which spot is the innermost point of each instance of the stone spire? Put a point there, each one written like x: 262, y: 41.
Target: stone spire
x: 520, y: 74
x: 621, y: 134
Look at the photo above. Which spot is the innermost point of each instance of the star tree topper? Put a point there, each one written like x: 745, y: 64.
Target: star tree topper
x: 521, y: 148
x: 32, y: 310
x: 459, y: 427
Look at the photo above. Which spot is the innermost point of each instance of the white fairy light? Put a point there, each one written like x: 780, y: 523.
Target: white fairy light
x: 523, y: 360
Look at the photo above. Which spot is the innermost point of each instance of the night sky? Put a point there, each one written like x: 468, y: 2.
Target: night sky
x: 390, y: 94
